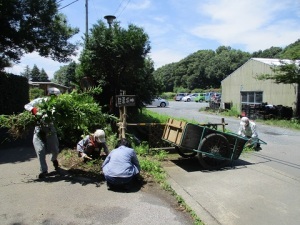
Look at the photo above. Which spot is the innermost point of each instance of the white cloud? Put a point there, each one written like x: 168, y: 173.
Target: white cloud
x: 165, y: 56
x: 249, y: 23
x: 139, y: 5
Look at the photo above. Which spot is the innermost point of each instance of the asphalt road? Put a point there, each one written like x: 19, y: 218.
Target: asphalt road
x: 62, y: 199
x: 261, y: 188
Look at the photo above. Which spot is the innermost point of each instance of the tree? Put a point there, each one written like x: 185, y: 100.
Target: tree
x: 273, y: 52
x: 43, y: 76
x: 287, y: 73
x: 66, y: 75
x: 35, y: 74
x: 26, y: 73
x: 59, y: 76
x: 116, y: 58
x: 292, y: 51
x: 34, y: 25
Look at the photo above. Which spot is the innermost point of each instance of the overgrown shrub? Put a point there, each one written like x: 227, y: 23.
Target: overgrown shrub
x: 74, y: 115
x: 35, y: 93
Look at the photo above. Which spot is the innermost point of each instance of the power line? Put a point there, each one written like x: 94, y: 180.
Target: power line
x: 68, y: 4
x: 123, y: 8
x: 119, y: 6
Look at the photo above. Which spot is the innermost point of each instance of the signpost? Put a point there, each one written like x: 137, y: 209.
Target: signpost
x: 125, y: 100
x: 122, y: 101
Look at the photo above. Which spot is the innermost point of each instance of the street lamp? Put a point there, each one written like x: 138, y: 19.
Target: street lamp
x: 109, y: 19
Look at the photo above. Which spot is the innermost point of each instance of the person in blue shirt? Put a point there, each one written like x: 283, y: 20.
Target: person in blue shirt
x: 121, y: 166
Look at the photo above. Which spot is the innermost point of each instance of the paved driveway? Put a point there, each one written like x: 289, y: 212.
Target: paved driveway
x: 63, y: 199
x: 262, y: 188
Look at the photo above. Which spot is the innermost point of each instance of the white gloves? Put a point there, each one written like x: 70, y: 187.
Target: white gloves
x: 83, y: 155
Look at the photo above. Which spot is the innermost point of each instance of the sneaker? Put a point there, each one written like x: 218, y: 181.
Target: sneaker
x: 258, y: 145
x: 55, y: 164
x: 43, y: 175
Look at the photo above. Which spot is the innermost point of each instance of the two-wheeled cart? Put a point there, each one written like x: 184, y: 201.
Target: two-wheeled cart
x: 214, y: 148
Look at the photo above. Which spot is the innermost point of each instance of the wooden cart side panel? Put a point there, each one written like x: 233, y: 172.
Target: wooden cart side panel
x: 173, y: 131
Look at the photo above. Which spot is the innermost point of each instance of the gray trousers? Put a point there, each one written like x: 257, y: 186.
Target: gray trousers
x: 45, y: 140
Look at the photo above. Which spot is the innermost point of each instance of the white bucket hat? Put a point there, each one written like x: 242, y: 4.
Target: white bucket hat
x: 53, y: 91
x: 99, y: 136
x: 244, y: 121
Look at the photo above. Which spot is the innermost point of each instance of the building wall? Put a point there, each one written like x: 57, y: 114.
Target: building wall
x: 243, y: 79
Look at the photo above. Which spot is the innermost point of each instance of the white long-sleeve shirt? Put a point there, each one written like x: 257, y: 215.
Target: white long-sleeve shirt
x: 29, y: 106
x: 248, y: 131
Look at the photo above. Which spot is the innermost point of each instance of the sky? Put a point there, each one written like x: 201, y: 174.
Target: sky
x: 178, y: 28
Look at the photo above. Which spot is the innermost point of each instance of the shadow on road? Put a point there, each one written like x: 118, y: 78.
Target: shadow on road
x: 23, y: 151
x: 84, y: 178
x: 193, y: 165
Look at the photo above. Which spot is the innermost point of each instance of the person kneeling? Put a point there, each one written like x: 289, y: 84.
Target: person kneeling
x: 90, y: 146
x: 121, y: 166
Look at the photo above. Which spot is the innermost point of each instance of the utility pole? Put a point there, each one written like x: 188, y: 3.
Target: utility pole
x: 86, y: 19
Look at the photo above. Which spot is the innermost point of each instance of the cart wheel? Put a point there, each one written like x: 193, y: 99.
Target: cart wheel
x: 215, y: 144
x: 185, y: 153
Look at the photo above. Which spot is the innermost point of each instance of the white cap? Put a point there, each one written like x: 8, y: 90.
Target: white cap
x: 244, y: 121
x: 99, y: 136
x: 53, y: 91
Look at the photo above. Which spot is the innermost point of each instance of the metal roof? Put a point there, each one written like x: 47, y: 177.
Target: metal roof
x: 276, y: 62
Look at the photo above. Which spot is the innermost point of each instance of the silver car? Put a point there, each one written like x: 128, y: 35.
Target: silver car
x: 159, y: 102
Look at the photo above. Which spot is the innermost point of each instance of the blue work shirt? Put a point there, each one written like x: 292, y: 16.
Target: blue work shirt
x: 121, y: 162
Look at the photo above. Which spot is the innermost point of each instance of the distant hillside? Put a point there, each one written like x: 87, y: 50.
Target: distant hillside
x: 206, y: 69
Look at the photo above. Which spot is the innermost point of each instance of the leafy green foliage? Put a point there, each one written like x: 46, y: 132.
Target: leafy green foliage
x: 206, y: 69
x: 117, y: 60
x: 292, y: 51
x: 18, y: 125
x: 201, y: 70
x: 273, y: 52
x: 34, y: 25
x: 35, y: 93
x: 286, y: 73
x: 66, y: 75
x: 74, y: 115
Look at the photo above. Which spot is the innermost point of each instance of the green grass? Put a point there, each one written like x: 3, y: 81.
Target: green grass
x: 233, y: 112
x: 291, y: 124
x: 151, y: 162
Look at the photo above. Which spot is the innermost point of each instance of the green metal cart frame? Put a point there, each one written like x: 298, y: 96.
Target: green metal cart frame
x: 214, y: 149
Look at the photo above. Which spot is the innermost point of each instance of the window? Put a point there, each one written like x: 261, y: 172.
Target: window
x: 251, y: 97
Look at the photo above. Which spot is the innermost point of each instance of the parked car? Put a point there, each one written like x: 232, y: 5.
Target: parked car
x: 200, y: 97
x: 159, y: 102
x: 190, y: 97
x: 179, y: 96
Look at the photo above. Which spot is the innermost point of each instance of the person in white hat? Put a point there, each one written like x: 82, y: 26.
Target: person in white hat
x: 248, y: 129
x: 44, y: 138
x: 90, y: 146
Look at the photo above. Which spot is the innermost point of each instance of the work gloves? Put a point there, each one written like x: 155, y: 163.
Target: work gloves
x: 34, y: 111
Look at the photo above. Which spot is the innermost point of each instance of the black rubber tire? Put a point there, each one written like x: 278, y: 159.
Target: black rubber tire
x: 216, y: 144
x: 163, y: 104
x: 185, y: 153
